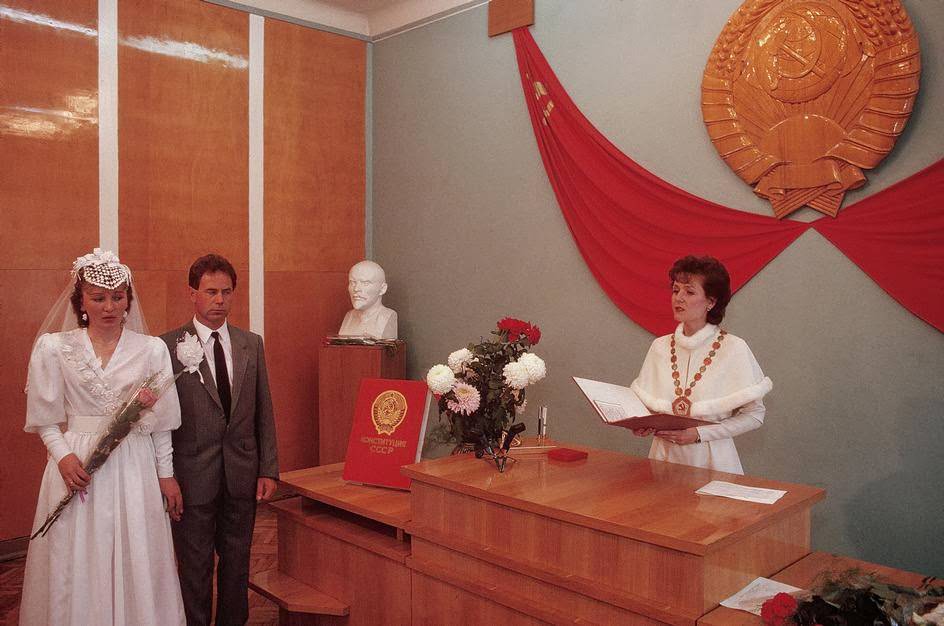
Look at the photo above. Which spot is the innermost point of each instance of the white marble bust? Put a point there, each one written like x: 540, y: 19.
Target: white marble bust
x: 369, y: 318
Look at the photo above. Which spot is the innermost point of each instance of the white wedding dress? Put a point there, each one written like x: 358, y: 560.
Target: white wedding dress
x: 109, y: 559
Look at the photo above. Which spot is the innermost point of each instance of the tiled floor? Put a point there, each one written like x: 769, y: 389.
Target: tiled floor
x: 261, y: 611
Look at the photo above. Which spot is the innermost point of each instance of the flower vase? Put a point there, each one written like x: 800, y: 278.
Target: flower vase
x: 463, y: 448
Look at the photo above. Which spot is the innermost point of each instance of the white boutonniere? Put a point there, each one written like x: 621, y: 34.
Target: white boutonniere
x: 190, y: 353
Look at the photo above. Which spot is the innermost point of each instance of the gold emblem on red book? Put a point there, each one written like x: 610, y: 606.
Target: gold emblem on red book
x: 799, y: 96
x: 388, y: 411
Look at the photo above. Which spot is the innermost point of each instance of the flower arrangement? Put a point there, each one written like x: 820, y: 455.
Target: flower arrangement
x: 853, y: 598
x: 481, y: 389
x: 190, y: 354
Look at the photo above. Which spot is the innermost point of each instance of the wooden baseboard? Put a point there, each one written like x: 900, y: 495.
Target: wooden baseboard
x: 13, y: 548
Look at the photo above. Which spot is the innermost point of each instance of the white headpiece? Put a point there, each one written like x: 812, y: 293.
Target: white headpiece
x: 102, y: 269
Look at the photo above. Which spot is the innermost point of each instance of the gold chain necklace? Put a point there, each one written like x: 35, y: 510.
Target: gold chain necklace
x: 682, y: 405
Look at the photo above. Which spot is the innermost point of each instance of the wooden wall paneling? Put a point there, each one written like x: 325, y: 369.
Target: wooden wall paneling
x: 25, y: 298
x: 48, y: 134
x: 314, y: 213
x: 314, y: 149
x: 48, y: 204
x: 301, y: 308
x: 165, y: 298
x: 183, y: 148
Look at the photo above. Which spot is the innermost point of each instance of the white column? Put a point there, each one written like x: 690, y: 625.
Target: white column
x: 256, y: 174
x: 108, y: 124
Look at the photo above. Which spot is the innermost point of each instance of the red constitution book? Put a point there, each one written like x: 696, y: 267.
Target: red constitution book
x: 389, y: 426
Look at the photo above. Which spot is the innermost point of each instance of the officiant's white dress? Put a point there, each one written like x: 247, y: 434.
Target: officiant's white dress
x: 110, y: 559
x: 730, y: 393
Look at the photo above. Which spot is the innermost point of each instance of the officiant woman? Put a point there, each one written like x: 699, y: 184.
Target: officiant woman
x: 701, y: 371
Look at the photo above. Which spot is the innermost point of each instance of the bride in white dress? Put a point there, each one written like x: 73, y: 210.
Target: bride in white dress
x: 109, y: 559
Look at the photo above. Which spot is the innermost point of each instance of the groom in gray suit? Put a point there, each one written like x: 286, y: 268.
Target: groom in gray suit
x: 225, y: 456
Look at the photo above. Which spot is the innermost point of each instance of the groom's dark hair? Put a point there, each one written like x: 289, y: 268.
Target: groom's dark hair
x: 210, y: 264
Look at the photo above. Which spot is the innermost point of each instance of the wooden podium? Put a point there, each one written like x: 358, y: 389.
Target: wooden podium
x: 340, y: 370
x: 612, y: 539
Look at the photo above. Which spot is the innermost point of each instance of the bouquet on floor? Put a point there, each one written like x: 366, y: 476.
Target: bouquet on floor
x: 190, y: 354
x: 482, y: 389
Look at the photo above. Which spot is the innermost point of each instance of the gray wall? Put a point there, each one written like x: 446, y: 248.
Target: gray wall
x: 468, y: 229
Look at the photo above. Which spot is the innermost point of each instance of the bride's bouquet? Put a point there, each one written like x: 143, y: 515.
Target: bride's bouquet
x: 190, y: 354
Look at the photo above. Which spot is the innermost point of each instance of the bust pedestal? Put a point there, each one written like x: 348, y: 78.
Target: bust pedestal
x: 340, y: 370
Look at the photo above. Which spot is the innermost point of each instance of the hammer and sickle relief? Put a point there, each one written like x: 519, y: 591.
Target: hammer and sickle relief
x: 799, y: 96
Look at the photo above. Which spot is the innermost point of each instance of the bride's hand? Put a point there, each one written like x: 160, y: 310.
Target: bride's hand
x: 175, y: 500
x: 73, y: 474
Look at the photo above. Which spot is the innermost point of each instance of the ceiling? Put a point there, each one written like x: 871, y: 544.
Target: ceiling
x: 366, y: 19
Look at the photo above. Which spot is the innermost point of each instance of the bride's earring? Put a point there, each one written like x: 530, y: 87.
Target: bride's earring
x: 84, y: 316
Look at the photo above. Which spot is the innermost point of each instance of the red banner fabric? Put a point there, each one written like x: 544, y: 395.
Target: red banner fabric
x: 630, y: 225
x: 897, y: 237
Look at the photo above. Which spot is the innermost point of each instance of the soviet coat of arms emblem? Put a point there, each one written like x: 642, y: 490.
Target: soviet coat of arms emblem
x: 799, y: 96
x: 387, y: 411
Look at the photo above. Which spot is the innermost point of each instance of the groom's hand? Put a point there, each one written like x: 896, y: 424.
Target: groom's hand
x: 175, y: 500
x: 265, y: 489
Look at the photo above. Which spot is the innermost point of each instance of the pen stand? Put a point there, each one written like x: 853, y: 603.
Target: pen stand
x: 499, y: 453
x: 499, y: 457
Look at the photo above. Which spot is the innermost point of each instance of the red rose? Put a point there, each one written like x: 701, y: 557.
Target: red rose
x: 778, y: 610
x: 146, y: 398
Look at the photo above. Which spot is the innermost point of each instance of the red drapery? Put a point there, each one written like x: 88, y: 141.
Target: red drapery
x: 630, y: 225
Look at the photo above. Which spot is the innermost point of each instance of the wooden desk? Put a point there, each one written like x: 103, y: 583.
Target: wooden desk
x: 611, y: 539
x: 347, y: 542
x: 802, y: 574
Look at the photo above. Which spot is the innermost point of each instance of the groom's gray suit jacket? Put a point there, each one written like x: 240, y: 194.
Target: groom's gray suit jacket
x: 207, y: 449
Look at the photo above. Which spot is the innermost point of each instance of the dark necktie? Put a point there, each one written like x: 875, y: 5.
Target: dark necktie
x: 222, y: 377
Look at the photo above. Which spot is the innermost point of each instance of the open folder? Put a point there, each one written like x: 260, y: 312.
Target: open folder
x: 620, y: 406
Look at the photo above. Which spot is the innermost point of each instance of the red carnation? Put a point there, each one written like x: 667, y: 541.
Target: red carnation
x: 778, y: 610
x: 533, y: 333
x: 513, y: 327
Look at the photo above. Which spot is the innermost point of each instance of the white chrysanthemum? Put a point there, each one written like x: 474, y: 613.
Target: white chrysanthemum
x: 440, y: 379
x: 537, y: 370
x: 516, y: 375
x: 459, y: 360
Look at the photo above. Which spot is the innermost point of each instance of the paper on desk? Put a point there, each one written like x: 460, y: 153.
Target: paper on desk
x: 752, y: 597
x: 741, y: 492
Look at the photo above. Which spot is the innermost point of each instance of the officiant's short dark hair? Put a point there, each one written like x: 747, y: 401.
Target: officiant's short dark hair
x: 715, y: 281
x: 210, y: 264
